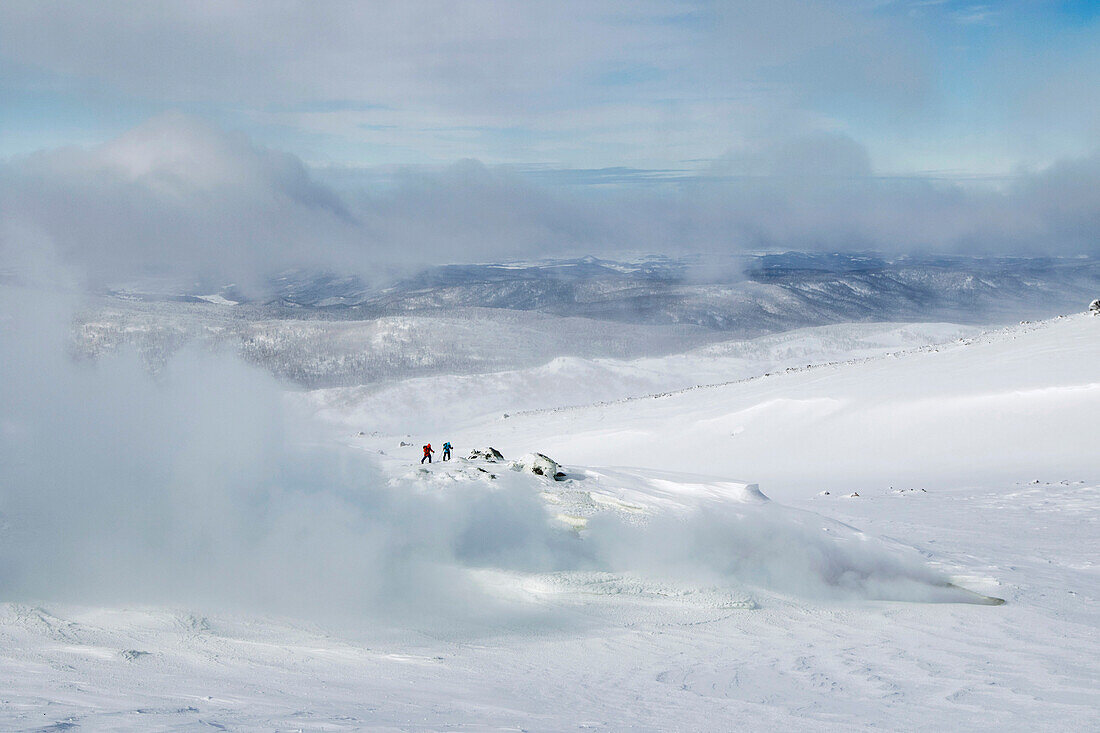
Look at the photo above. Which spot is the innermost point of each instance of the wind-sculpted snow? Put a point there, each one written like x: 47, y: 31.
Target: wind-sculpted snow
x: 770, y: 547
x: 700, y: 531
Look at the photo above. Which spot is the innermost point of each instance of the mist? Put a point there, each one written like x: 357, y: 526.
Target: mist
x: 186, y: 488
x: 201, y: 487
x: 181, y: 199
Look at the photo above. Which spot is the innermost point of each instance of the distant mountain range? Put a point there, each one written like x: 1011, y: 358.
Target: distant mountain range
x: 743, y: 295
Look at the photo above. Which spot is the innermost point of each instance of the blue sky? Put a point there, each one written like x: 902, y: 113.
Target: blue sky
x: 943, y: 88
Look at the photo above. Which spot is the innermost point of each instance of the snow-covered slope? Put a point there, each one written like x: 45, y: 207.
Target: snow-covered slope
x: 1014, y: 403
x: 684, y: 632
x: 656, y: 586
x: 428, y: 404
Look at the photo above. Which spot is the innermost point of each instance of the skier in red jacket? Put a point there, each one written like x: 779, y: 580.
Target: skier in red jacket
x: 427, y: 453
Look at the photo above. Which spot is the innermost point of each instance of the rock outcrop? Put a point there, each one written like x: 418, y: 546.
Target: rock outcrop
x: 490, y: 454
x: 540, y: 465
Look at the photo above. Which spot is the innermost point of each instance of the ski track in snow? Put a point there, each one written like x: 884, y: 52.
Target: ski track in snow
x: 632, y: 651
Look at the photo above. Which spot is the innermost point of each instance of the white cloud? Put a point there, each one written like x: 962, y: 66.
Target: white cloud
x: 656, y: 81
x: 174, y: 196
x: 180, y: 198
x: 571, y: 84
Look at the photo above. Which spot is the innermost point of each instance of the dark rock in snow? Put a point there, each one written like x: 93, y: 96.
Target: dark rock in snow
x: 541, y: 465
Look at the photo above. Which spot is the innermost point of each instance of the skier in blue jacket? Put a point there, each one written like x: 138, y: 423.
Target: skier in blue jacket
x: 447, y: 451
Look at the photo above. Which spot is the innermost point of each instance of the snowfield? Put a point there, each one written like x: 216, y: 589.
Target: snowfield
x: 429, y: 404
x: 1017, y: 403
x: 803, y: 532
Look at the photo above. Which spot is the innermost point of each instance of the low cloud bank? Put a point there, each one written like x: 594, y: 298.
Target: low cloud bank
x: 179, y: 198
x: 173, y: 198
